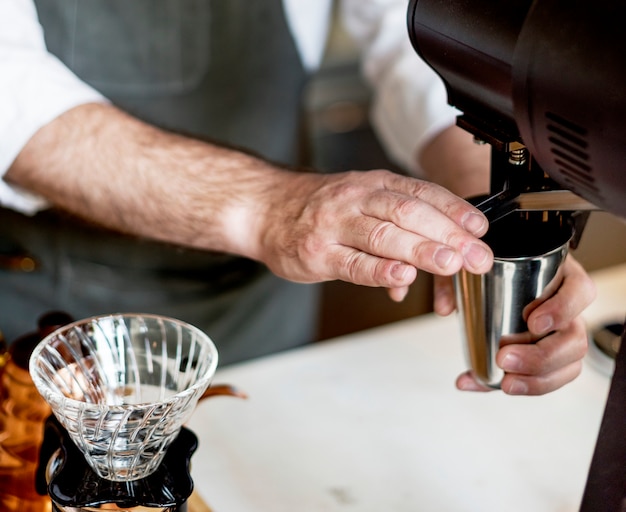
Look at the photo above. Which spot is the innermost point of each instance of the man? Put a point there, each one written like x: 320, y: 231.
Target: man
x: 201, y: 221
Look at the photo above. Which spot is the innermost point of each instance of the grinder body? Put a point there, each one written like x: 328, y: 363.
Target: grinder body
x: 543, y: 82
x: 548, y: 74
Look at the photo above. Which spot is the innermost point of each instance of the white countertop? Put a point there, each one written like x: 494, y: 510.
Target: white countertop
x: 372, y: 422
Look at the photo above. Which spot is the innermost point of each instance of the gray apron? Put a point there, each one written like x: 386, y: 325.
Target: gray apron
x: 223, y: 70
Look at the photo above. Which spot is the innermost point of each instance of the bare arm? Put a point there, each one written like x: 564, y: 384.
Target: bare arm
x: 452, y: 159
x: 103, y: 165
x: 373, y: 228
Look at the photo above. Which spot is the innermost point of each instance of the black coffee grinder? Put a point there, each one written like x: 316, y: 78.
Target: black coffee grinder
x: 542, y: 82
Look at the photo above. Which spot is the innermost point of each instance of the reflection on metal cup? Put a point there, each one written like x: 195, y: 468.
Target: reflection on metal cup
x: 529, y: 249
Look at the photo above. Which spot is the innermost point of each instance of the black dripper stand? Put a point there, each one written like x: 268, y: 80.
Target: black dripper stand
x: 73, y: 485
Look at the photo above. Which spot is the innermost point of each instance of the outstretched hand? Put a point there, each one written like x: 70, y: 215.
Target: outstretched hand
x: 373, y: 228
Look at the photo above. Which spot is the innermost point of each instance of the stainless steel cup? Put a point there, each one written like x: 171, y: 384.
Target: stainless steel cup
x: 529, y: 249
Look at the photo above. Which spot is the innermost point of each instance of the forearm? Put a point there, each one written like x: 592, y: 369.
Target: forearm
x: 408, y: 97
x: 100, y: 164
x: 452, y: 159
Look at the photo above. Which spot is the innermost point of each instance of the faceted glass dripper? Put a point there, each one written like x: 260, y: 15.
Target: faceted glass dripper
x: 123, y: 386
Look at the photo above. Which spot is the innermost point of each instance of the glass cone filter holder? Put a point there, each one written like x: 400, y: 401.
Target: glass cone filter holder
x: 123, y: 385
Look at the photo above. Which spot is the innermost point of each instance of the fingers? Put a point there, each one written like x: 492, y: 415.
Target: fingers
x: 372, y: 228
x: 575, y: 293
x: 426, y: 226
x: 431, y: 210
x: 555, y: 360
x: 428, y: 250
x: 440, y: 198
x: 538, y: 368
x: 540, y: 385
x: 467, y: 382
x: 552, y: 362
x: 523, y: 385
x: 444, y: 296
x: 398, y: 294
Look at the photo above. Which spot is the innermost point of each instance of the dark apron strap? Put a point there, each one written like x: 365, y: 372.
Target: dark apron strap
x: 226, y: 70
x: 606, y: 483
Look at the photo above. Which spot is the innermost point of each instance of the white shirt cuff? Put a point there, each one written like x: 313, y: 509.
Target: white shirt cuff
x: 35, y: 88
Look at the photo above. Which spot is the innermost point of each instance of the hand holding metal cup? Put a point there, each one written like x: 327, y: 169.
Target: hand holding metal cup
x: 529, y: 250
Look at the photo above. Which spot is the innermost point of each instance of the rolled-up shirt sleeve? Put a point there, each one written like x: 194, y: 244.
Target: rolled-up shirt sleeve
x: 409, y: 104
x: 35, y: 88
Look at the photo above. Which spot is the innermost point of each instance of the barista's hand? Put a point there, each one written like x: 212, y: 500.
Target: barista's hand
x: 541, y: 367
x: 373, y: 228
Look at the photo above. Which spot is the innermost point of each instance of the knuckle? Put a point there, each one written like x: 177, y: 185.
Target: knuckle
x: 352, y: 266
x: 311, y: 247
x: 577, y: 369
x: 454, y: 237
x: 347, y: 189
x: 583, y: 341
x: 424, y: 253
x: 539, y: 359
x: 554, y: 381
x: 379, y: 235
x: 589, y: 290
x: 405, y: 207
x: 423, y: 187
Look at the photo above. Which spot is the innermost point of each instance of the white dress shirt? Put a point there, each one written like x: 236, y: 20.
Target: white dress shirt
x: 409, y: 102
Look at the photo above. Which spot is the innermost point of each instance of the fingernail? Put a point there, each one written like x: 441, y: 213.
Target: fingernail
x: 475, y: 255
x: 511, y: 363
x: 468, y: 385
x: 473, y: 222
x: 399, y: 271
x: 543, y: 324
x: 443, y: 256
x: 518, y: 387
x: 466, y: 382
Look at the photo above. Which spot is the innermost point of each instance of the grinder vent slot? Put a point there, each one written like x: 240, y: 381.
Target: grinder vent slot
x: 569, y: 148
